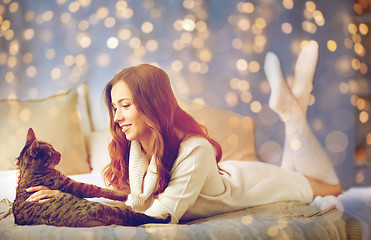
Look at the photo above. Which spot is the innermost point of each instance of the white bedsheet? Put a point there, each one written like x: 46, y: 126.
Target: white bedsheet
x: 354, y: 201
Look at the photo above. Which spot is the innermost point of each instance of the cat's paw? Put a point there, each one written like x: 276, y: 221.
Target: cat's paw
x: 166, y: 216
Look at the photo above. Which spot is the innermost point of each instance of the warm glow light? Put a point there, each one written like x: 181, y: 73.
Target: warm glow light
x: 147, y: 27
x: 112, y: 42
x: 343, y: 88
x: 13, y: 47
x: 201, y: 26
x: 56, y: 73
x: 12, y: 62
x: 356, y: 64
x: 31, y: 71
x: 109, y: 22
x: 336, y: 141
x: 286, y: 28
x: 358, y: 8
x: 198, y: 43
x: 309, y: 27
x: 261, y: 23
x: 65, y: 18
x: 135, y: 42
x: 363, y: 117
x: 368, y: 139
x: 288, y: 4
x: 189, y: 4
x: 124, y: 34
x: 255, y: 106
x: 27, y: 58
x: 74, y: 7
x: 121, y: 5
x: 311, y: 6
x: 80, y: 60
x: 205, y: 55
x: 28, y: 34
x: 243, y: 85
x: 352, y: 28
x: 234, y: 82
x: 69, y: 60
x: 254, y: 66
x: 359, y: 49
x: 331, y: 45
x: 361, y: 104
x: 29, y: 16
x: 48, y: 16
x: 188, y: 25
x: 242, y: 65
x: 177, y: 65
x: 237, y: 43
x: 363, y: 29
x: 13, y: 7
x: 83, y: 40
x: 152, y: 45
x: 5, y: 25
x: 102, y: 12
x: 245, y: 7
x: 9, y: 77
x: 246, y: 97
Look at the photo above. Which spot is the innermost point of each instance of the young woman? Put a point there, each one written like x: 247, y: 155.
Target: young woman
x: 166, y: 161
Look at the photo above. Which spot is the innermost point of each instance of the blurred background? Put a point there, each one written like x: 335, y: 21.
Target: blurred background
x: 213, y: 51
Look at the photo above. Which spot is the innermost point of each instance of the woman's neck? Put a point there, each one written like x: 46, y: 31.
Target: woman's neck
x: 145, y: 148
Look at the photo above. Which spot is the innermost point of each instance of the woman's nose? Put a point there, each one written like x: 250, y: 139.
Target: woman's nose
x: 118, y: 116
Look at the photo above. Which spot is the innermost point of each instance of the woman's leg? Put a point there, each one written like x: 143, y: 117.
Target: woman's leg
x: 302, y: 152
x: 323, y: 189
x: 301, y: 89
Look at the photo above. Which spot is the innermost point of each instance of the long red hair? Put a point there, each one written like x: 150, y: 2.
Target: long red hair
x: 155, y: 100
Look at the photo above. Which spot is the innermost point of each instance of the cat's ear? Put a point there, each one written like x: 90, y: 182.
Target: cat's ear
x: 30, y: 136
x: 34, y: 148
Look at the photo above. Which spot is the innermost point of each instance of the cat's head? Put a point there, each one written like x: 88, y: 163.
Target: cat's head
x: 37, y: 153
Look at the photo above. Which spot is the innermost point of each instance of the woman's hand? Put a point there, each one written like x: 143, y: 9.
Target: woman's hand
x: 41, y: 194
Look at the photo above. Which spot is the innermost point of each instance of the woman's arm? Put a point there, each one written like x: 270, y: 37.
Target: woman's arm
x: 189, y: 174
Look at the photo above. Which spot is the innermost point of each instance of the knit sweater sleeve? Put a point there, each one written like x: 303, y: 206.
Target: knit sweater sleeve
x: 188, y: 176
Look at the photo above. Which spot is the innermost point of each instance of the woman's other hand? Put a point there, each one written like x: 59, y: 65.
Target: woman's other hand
x: 41, y: 194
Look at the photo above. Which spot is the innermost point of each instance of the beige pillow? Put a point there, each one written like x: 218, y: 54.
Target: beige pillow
x: 235, y: 133
x: 54, y: 120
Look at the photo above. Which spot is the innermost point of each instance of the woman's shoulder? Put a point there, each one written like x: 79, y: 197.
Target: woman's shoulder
x: 195, y: 144
x: 194, y: 141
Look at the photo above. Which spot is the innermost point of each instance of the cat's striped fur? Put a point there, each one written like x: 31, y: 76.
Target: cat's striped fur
x: 36, y: 163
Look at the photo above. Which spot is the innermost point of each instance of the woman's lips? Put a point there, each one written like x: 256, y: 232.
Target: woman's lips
x: 125, y: 127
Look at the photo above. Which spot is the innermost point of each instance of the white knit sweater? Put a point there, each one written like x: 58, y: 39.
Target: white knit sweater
x: 197, y: 189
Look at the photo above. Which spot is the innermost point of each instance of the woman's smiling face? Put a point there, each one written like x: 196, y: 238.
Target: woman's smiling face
x: 127, y: 115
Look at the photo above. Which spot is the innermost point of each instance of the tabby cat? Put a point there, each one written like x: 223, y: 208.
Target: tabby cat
x: 36, y: 163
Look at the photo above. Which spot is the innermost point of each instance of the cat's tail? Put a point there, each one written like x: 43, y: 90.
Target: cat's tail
x: 132, y: 218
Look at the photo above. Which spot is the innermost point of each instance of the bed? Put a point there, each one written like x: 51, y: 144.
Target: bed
x: 84, y: 155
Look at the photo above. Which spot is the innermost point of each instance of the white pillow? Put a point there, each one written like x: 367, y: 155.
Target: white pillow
x: 54, y: 119
x: 98, y: 142
x: 235, y: 133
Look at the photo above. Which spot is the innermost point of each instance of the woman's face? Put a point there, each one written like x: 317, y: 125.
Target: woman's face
x: 127, y: 115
